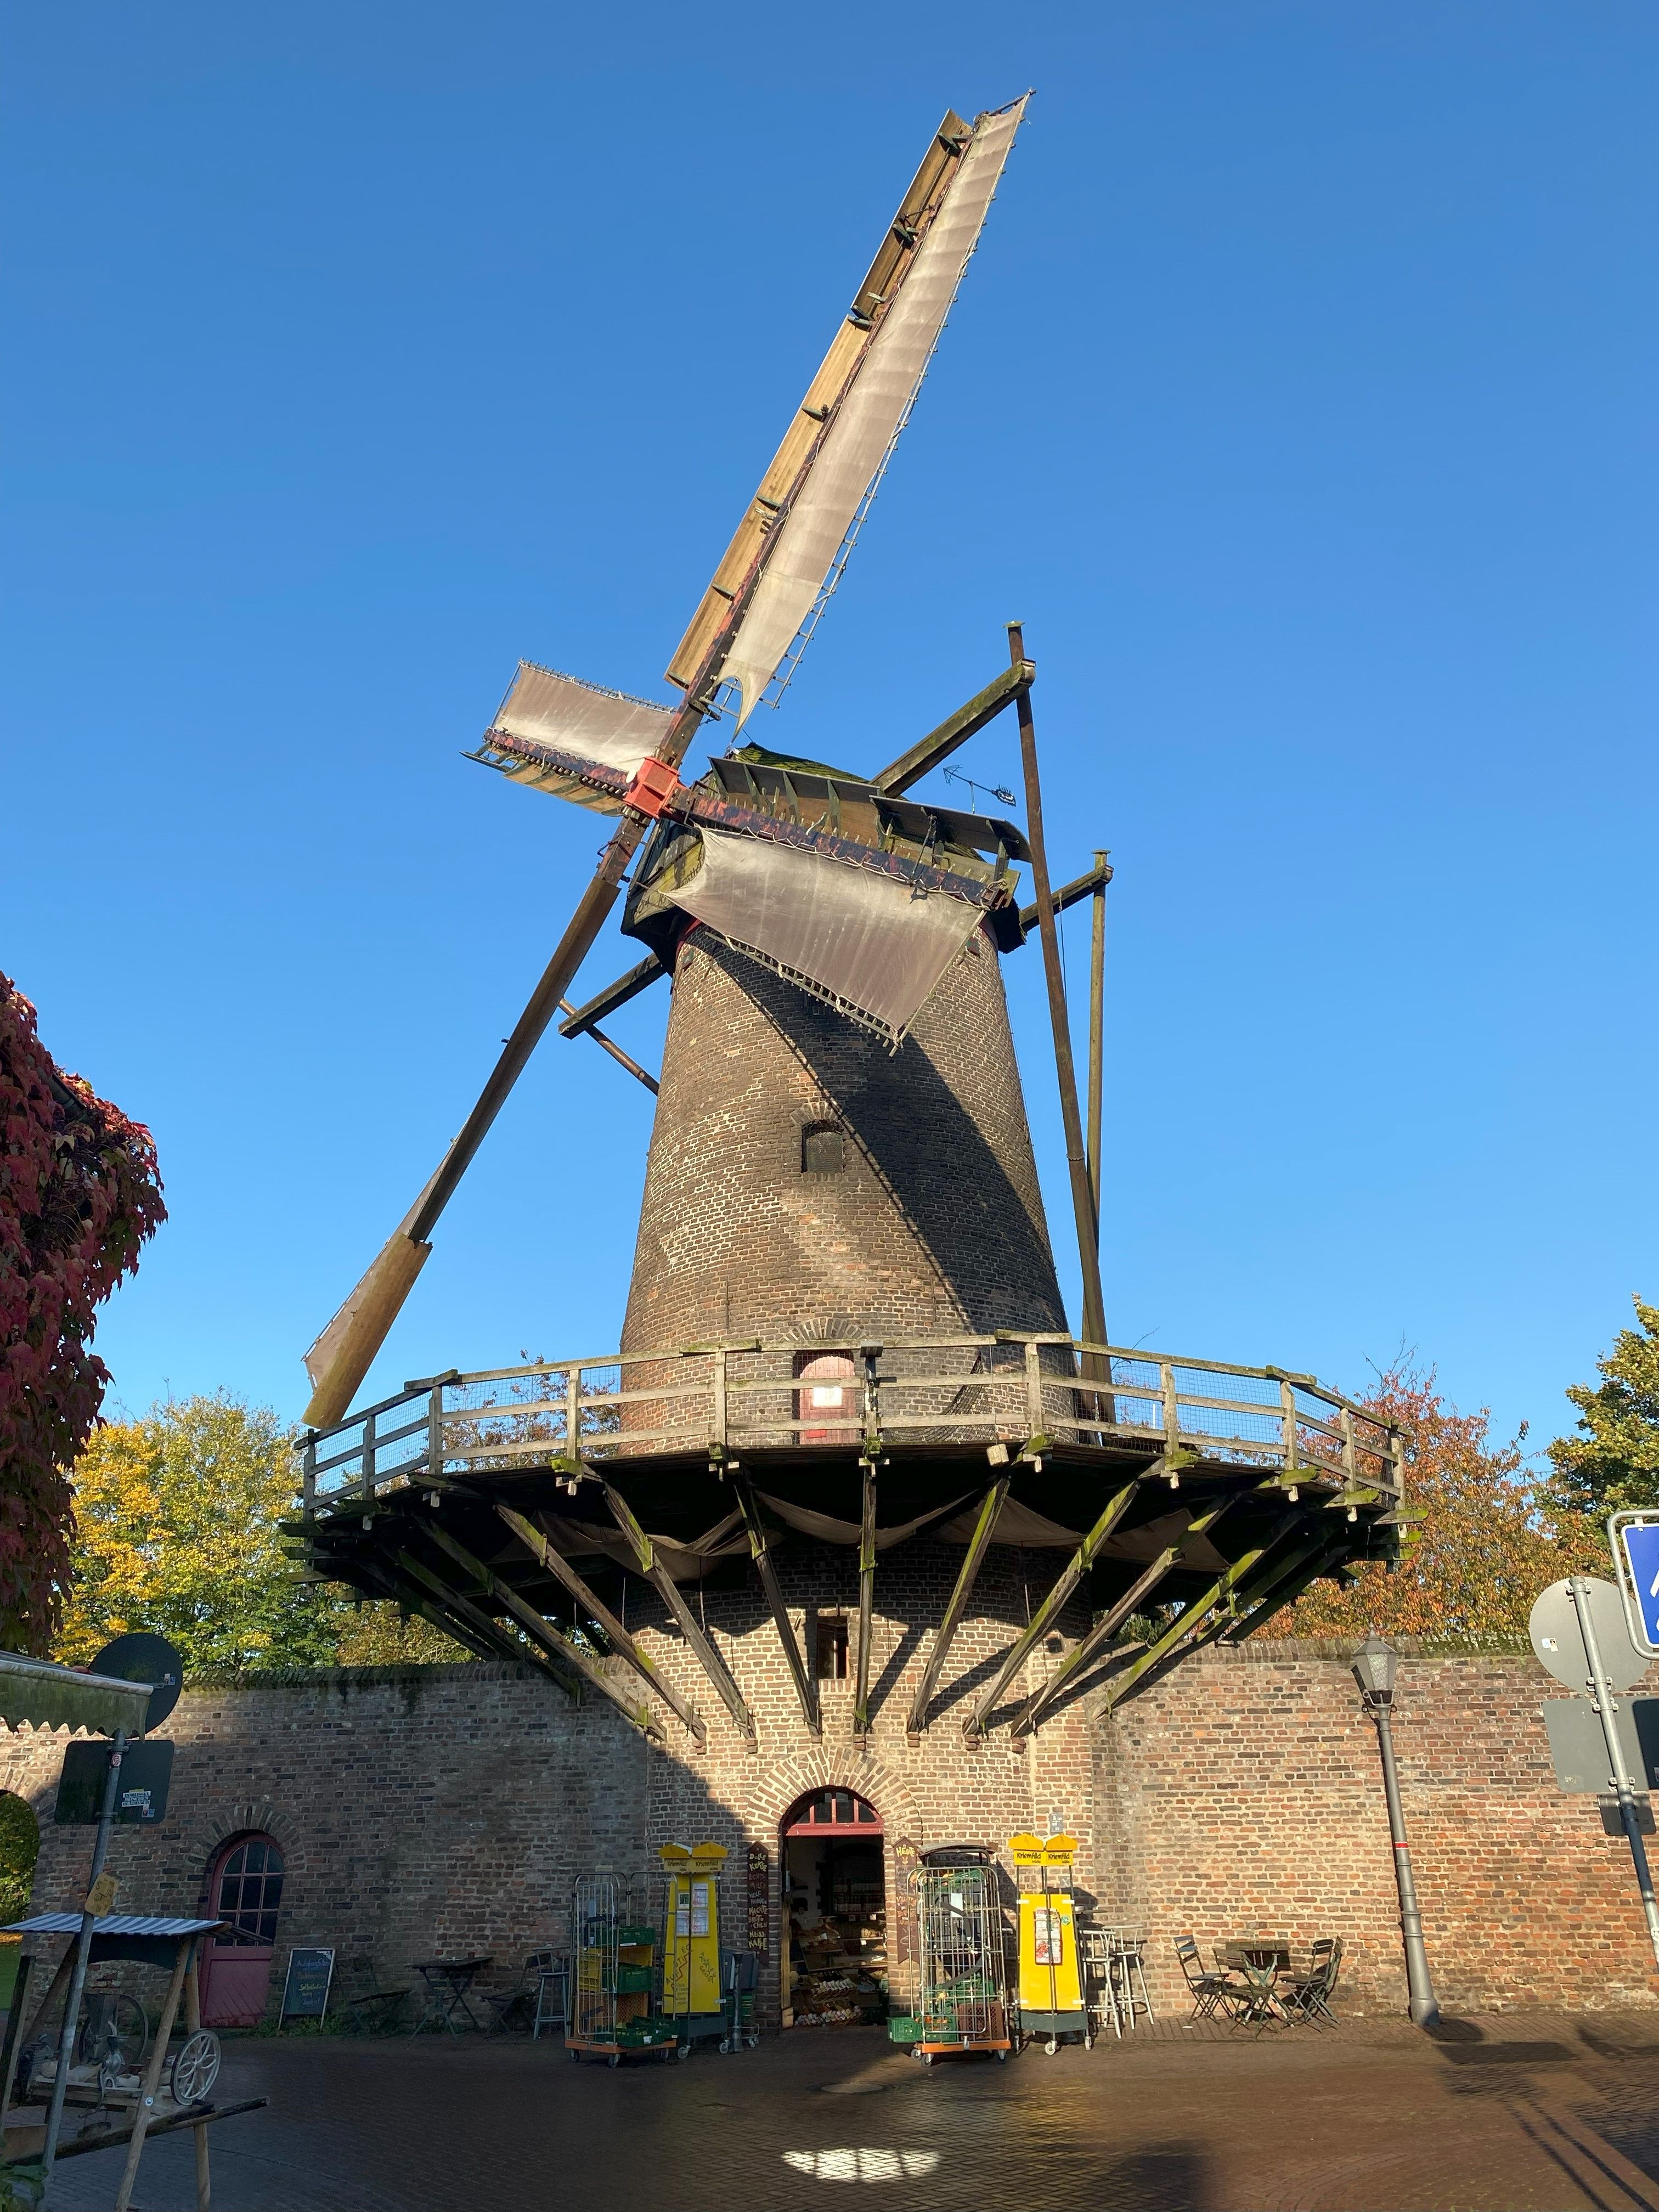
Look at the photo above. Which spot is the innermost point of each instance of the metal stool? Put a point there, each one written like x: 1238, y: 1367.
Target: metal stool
x: 1127, y: 1971
x: 1094, y: 1947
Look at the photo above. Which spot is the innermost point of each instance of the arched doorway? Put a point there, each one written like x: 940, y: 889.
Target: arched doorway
x: 245, y: 1888
x: 835, y: 1911
x: 828, y: 1389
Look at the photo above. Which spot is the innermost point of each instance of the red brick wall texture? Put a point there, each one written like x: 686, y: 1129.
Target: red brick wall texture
x: 449, y: 1810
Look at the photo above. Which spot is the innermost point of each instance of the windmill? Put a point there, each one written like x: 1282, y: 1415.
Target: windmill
x: 835, y: 882
x: 842, y: 1274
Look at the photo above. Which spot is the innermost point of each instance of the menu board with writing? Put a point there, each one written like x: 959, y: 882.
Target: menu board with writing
x: 305, y: 1993
x: 760, y: 1896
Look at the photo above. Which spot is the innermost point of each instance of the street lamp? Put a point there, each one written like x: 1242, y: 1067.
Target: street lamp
x: 1374, y: 1665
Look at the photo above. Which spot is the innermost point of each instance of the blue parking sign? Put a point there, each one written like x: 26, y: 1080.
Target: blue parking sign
x: 1636, y: 1545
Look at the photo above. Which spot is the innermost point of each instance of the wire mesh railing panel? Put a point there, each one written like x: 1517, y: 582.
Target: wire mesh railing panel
x: 1009, y: 1391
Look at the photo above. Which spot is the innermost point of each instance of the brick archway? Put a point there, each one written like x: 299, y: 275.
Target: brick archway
x: 831, y: 1766
x: 214, y: 1828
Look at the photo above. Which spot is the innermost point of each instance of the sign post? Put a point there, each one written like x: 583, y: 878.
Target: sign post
x: 1587, y: 1613
x: 1601, y: 1698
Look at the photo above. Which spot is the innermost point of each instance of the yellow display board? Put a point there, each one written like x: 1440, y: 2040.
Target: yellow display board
x: 1051, y: 1995
x: 691, y: 1932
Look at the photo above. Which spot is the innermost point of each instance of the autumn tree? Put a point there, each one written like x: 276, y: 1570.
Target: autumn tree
x: 1491, y: 1536
x: 79, y: 1194
x: 1613, y: 1461
x: 178, y: 1531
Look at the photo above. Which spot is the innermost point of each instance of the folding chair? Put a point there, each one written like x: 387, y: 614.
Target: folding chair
x: 1310, y: 1998
x: 1214, y: 1993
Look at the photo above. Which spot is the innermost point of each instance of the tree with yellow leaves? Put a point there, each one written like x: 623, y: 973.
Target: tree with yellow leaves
x: 178, y: 1531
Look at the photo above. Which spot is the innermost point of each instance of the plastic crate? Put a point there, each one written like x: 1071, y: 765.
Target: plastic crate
x: 904, y: 2028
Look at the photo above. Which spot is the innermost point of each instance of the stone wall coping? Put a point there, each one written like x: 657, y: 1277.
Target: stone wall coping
x: 356, y: 1678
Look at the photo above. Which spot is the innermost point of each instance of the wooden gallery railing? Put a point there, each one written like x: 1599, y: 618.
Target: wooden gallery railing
x: 1024, y: 1394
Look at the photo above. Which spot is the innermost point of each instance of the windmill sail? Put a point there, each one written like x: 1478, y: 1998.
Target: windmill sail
x: 580, y: 723
x: 806, y: 545
x: 869, y: 945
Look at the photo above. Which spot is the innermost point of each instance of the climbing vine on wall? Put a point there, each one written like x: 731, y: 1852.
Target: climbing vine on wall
x: 79, y: 1194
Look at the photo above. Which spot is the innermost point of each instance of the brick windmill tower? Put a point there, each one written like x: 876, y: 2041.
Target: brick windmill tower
x: 848, y: 1470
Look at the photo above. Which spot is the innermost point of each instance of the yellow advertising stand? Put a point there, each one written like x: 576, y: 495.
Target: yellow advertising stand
x: 1052, y: 2001
x: 692, y: 1999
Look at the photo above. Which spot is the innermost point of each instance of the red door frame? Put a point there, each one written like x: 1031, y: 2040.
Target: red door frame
x: 236, y: 1977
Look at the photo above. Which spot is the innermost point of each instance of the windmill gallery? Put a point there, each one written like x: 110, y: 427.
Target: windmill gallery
x: 851, y: 1550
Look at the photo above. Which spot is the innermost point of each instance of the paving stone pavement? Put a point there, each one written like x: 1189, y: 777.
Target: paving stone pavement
x: 1532, y: 2112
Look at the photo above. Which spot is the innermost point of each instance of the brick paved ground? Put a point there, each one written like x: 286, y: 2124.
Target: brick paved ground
x: 1526, y: 2112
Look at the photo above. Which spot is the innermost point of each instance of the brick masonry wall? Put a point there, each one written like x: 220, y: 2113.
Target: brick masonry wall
x: 1245, y: 1792
x: 450, y: 1809
x: 935, y: 1223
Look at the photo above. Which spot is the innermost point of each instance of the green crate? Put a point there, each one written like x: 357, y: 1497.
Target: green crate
x: 904, y: 2028
x: 631, y: 1980
x: 631, y: 1937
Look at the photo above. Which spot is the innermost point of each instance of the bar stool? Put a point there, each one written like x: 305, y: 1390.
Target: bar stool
x: 1127, y: 1970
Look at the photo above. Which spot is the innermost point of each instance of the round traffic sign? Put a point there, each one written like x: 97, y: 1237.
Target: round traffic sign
x: 141, y: 1658
x: 1556, y: 1637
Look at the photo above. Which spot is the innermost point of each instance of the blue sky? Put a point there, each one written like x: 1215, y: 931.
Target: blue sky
x: 1299, y: 400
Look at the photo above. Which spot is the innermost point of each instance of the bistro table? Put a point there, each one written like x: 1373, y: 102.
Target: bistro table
x: 447, y: 1981
x: 1260, y: 1965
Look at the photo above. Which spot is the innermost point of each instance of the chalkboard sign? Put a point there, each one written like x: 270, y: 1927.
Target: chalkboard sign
x: 304, y: 1995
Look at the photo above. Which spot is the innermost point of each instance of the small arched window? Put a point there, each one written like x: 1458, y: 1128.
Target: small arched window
x: 823, y: 1148
x: 250, y: 1891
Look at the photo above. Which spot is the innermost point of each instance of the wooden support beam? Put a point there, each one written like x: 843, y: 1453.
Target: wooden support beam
x: 1285, y: 1591
x: 866, y: 1601
x: 504, y: 1645
x: 760, y: 1547
x: 613, y: 995
x: 978, y: 1544
x: 1081, y: 1560
x: 621, y: 1642
x: 1102, y: 876
x: 608, y: 1044
x: 1111, y: 1620
x: 540, y: 1630
x: 1193, y: 1616
x: 152, y: 2076
x: 1083, y: 1205
x: 663, y: 1582
x: 1227, y: 1620
x: 386, y: 1587
x: 1080, y: 887
x: 955, y: 729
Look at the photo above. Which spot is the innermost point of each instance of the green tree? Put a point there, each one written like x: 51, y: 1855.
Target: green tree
x: 1613, y: 1461
x: 177, y: 1532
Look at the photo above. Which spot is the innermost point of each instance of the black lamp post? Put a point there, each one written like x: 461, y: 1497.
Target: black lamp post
x: 1374, y: 1665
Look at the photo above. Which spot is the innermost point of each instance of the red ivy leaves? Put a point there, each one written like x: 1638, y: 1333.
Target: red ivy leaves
x: 79, y: 1194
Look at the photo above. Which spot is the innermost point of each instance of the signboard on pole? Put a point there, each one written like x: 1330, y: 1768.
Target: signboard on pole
x: 141, y: 1794
x: 1635, y: 1540
x: 1558, y: 1640
x: 1579, y: 1749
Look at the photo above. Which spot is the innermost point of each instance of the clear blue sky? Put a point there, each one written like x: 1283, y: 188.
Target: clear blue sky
x: 1300, y: 400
